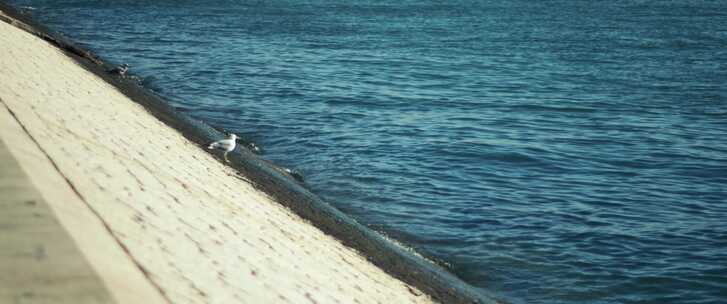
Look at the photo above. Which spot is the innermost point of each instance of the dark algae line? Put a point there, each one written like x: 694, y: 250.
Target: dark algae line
x: 410, y: 268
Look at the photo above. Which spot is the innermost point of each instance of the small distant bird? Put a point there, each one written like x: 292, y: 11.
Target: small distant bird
x: 120, y: 70
x: 225, y: 144
x: 254, y: 148
x: 295, y: 174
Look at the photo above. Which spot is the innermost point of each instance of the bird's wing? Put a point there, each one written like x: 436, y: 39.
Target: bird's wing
x: 214, y: 145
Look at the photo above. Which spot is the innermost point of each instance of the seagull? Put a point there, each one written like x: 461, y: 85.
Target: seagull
x: 225, y: 144
x: 120, y: 70
x: 254, y: 148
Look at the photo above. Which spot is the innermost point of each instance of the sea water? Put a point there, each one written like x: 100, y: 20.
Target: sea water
x: 543, y: 151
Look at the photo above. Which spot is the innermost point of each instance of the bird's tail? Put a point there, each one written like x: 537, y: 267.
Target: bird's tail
x: 213, y: 145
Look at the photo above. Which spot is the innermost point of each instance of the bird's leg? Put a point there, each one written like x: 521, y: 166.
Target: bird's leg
x: 227, y: 160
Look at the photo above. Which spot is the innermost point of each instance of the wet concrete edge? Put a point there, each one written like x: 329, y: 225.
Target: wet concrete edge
x: 398, y: 262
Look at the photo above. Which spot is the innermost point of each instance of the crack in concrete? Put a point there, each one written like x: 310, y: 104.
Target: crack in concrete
x: 83, y: 199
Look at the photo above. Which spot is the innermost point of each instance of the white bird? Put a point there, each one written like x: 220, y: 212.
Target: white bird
x: 120, y: 70
x: 225, y: 144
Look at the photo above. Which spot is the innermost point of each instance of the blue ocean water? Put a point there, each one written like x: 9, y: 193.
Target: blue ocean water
x: 545, y: 152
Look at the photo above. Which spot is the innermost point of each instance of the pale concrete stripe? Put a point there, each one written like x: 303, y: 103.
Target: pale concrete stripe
x: 39, y: 261
x: 112, y: 265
